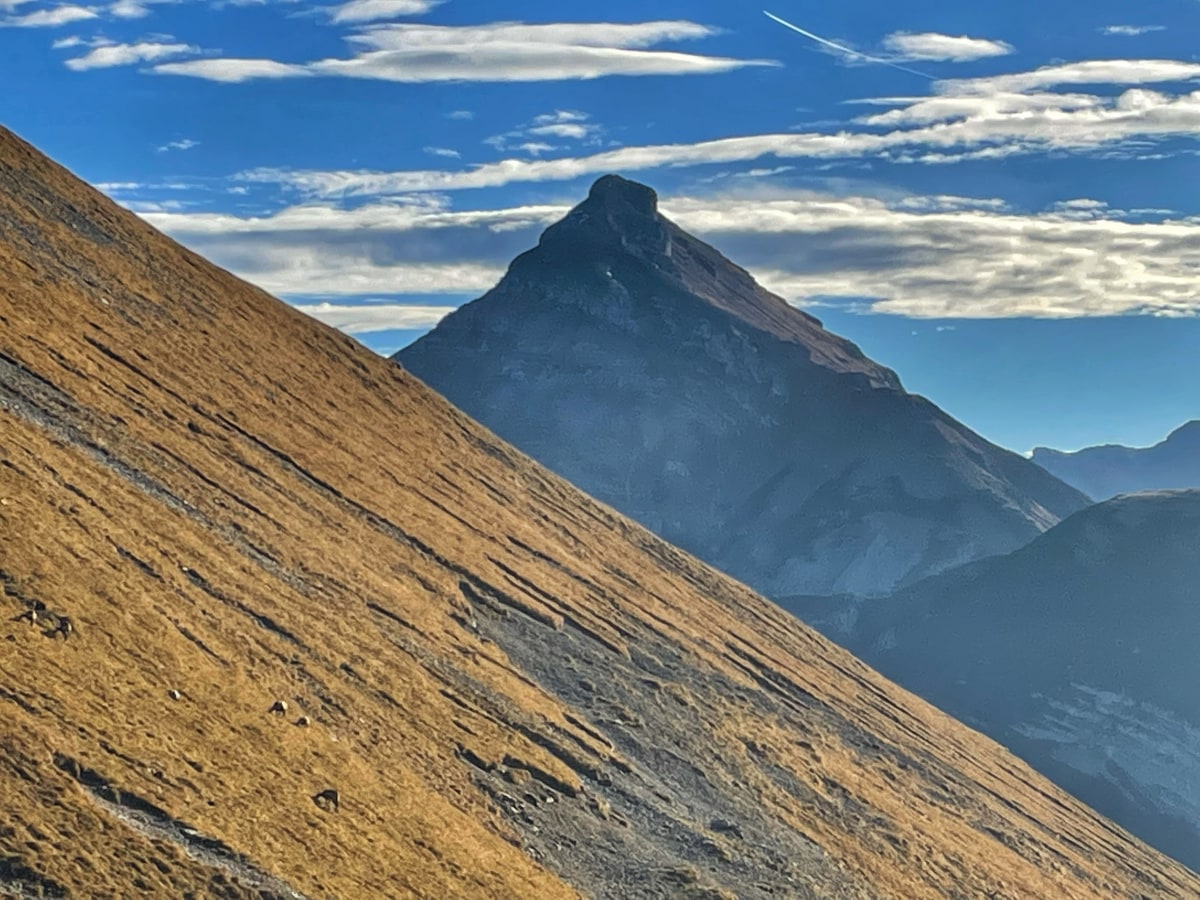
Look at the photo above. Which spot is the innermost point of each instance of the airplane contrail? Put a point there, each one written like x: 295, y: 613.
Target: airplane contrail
x: 847, y: 50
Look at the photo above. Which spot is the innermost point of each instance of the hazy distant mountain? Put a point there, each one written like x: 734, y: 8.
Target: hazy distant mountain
x: 1103, y: 472
x: 1079, y: 652
x: 645, y: 367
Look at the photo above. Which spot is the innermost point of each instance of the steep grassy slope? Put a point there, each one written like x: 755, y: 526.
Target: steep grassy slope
x: 515, y: 691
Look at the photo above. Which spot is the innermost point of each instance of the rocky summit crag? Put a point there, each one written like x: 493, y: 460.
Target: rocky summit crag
x: 494, y: 685
x: 639, y: 363
x: 1104, y: 472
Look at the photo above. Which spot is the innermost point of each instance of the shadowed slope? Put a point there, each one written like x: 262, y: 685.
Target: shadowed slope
x: 510, y: 686
x: 641, y: 364
x: 1078, y: 652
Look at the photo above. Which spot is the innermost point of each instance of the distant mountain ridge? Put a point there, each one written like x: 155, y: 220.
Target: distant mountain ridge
x: 641, y: 364
x: 1077, y: 651
x: 1105, y: 471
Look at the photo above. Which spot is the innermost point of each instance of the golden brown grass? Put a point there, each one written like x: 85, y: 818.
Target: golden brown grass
x: 324, y: 494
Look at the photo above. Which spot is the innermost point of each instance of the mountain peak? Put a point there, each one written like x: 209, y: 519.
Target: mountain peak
x: 1187, y: 431
x: 616, y: 193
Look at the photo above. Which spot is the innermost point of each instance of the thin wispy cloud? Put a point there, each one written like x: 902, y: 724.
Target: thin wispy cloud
x: 359, y: 11
x: 375, y: 317
x: 1123, y: 72
x: 1130, y: 30
x: 506, y: 51
x: 185, y: 144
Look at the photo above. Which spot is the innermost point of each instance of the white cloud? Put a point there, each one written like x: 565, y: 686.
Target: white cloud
x: 1093, y: 71
x: 516, y: 62
x: 569, y: 130
x: 460, y: 115
x: 67, y: 42
x: 127, y: 54
x: 50, y: 18
x: 376, y: 317
x: 153, y: 206
x: 315, y: 272
x: 444, y: 152
x: 185, y: 144
x: 637, y: 35
x: 562, y: 124
x: 930, y: 46
x: 1130, y: 30
x: 535, y: 148
x: 956, y: 258
x: 232, y: 71
x: 561, y: 115
x: 507, y: 51
x: 133, y: 9
x: 423, y: 214
x: 377, y: 10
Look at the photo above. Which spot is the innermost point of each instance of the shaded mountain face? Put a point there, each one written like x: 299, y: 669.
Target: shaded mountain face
x: 1104, y: 472
x: 643, y: 366
x: 1078, y: 652
x: 513, y: 691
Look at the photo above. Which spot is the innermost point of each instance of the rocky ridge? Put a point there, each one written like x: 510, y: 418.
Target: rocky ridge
x: 1104, y: 472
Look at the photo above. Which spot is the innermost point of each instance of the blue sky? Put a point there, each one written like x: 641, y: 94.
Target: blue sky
x: 999, y: 199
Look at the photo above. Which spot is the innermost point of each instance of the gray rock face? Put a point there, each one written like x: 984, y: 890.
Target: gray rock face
x: 1104, y: 472
x: 1078, y: 652
x: 642, y: 365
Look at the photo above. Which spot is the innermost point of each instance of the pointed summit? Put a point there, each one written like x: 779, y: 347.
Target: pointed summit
x: 617, y: 250
x: 615, y: 192
x: 643, y: 365
x: 618, y: 216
